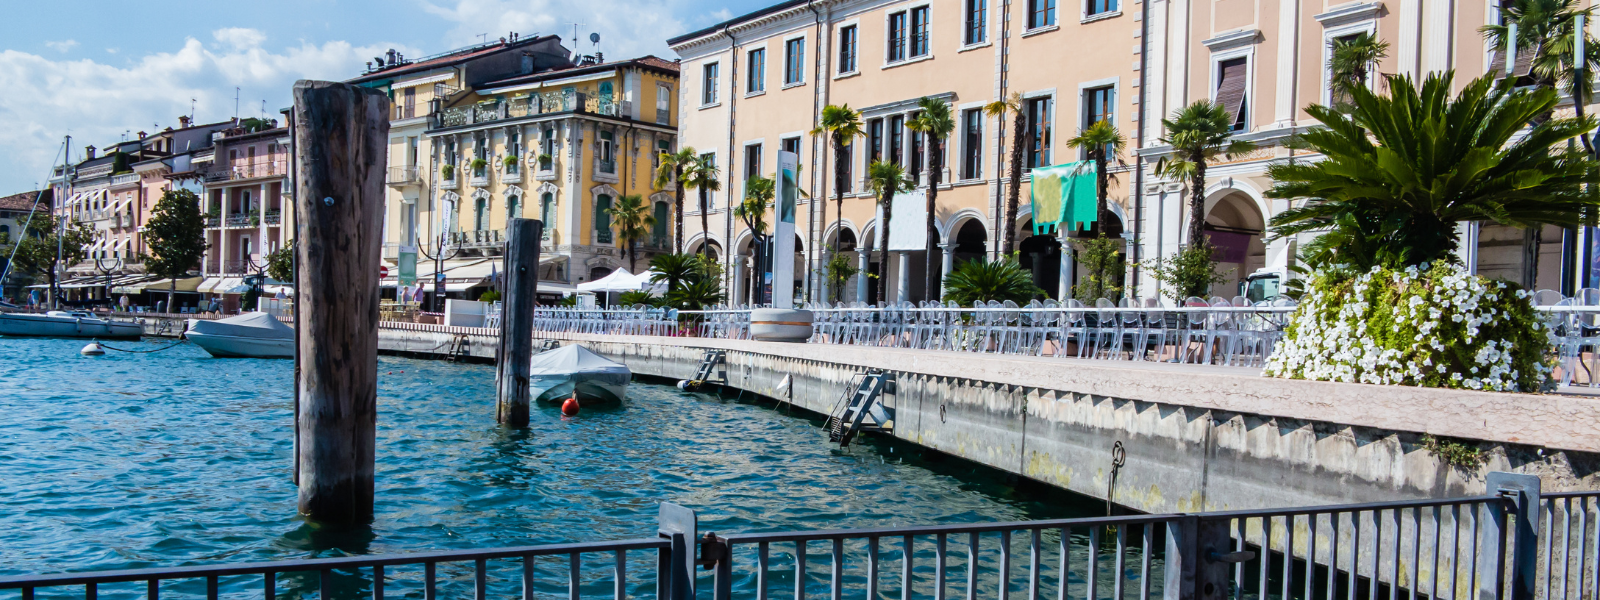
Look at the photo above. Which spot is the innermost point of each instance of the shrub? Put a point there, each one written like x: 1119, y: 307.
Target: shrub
x: 1431, y: 326
x: 447, y: 171
x: 489, y: 296
x: 1101, y: 257
x: 976, y: 280
x: 1189, y: 273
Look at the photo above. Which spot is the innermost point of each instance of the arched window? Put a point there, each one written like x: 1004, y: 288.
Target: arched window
x: 547, y: 212
x: 481, y: 213
x: 602, y: 219
x: 658, y: 233
x: 513, y: 207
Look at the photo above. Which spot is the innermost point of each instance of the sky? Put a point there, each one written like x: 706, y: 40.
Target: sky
x: 102, y: 71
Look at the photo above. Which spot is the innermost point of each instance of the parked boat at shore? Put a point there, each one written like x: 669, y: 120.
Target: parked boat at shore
x: 250, y: 335
x: 67, y: 323
x: 556, y: 374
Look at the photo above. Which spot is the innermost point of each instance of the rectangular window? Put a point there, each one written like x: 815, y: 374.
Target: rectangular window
x: 662, y: 147
x: 1096, y: 7
x: 897, y: 140
x: 756, y: 74
x: 1097, y: 105
x: 846, y: 169
x: 794, y: 61
x: 663, y: 103
x: 410, y: 106
x: 792, y: 145
x: 708, y: 85
x: 847, y: 49
x: 972, y: 143
x: 977, y: 22
x: 1038, y: 118
x: 874, y: 141
x: 917, y: 151
x: 1231, y: 78
x: 1041, y: 13
x: 919, y: 31
x: 752, y: 160
x: 897, y: 37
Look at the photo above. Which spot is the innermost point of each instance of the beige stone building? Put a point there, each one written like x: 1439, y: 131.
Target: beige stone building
x: 757, y: 83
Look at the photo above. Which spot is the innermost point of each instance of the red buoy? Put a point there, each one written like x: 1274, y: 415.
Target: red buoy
x: 570, y: 407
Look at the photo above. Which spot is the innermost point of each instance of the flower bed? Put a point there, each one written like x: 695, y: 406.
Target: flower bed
x: 1430, y: 326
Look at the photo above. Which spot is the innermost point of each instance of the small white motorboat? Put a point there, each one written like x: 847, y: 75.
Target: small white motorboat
x: 557, y: 374
x: 250, y: 335
x: 67, y: 323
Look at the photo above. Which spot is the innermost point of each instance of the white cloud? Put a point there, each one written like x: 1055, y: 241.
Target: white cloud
x: 63, y: 45
x: 627, y: 28
x: 96, y: 102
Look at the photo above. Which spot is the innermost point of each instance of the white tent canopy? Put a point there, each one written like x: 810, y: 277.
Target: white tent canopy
x: 619, y: 280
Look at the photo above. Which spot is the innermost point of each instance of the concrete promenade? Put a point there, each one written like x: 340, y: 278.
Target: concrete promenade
x: 1197, y: 437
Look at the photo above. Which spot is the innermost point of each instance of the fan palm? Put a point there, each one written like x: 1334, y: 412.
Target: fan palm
x: 842, y: 125
x: 934, y: 121
x: 702, y: 175
x: 979, y: 281
x: 1012, y: 106
x: 670, y: 172
x: 1102, y: 143
x: 632, y: 219
x: 1546, y: 28
x: 886, y: 179
x: 1351, y: 63
x: 1197, y: 133
x: 1410, y: 165
x: 674, y: 269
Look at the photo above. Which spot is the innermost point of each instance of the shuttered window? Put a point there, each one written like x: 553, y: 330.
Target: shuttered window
x: 1231, y: 79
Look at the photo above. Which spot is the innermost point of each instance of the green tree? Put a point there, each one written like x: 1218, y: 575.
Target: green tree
x: 1547, y: 29
x: 630, y: 298
x: 758, y: 192
x: 176, y: 237
x: 36, y: 247
x: 670, y: 172
x: 1101, y: 258
x: 980, y: 281
x: 280, y: 264
x: 886, y: 180
x: 934, y: 121
x: 631, y: 217
x: 1189, y: 273
x: 839, y: 270
x: 1352, y: 62
x: 1197, y: 133
x: 1014, y: 107
x: 703, y: 176
x: 842, y: 125
x: 1102, y: 143
x: 674, y: 269
x: 1409, y: 166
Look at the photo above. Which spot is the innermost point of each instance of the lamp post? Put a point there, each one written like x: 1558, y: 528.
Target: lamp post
x: 438, y: 257
x: 99, y: 265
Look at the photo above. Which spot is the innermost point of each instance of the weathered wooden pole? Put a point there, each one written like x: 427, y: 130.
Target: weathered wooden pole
x: 516, y: 322
x: 341, y: 140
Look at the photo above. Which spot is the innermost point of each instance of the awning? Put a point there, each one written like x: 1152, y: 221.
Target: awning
x: 134, y: 284
x: 219, y: 285
x: 187, y: 284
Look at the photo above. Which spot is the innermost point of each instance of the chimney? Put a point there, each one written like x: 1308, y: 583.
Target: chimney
x: 88, y: 153
x: 600, y: 57
x: 183, y: 121
x: 141, y: 135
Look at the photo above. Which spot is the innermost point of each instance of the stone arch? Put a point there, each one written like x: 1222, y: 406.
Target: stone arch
x: 1236, y: 215
x: 948, y: 228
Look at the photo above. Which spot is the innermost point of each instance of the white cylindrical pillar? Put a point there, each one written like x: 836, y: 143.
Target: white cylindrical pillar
x: 1069, y: 260
x: 902, y: 288
x: 861, y: 275
x: 949, y: 259
x: 739, y: 296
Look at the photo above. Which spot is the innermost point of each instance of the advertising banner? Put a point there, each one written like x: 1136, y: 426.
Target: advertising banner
x: 786, y: 197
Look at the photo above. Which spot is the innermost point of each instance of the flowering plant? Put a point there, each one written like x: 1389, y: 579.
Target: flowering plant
x: 1429, y: 325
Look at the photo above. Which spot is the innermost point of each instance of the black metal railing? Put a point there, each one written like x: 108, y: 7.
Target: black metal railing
x: 1488, y: 546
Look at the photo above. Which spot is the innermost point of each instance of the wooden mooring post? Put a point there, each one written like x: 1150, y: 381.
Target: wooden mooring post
x: 516, y: 322
x: 341, y: 135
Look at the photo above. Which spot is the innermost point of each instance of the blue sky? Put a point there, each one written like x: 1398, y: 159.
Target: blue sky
x: 102, y: 70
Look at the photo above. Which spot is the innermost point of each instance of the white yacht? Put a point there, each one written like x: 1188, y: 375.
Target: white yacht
x: 67, y: 323
x: 249, y: 335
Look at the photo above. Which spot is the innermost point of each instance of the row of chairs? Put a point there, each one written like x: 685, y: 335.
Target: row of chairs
x: 636, y: 320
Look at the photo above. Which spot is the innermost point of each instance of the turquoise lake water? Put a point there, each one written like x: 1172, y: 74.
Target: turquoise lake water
x: 140, y: 460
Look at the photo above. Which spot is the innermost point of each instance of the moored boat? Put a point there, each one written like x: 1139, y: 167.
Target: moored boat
x: 67, y: 323
x: 250, y: 335
x: 556, y: 374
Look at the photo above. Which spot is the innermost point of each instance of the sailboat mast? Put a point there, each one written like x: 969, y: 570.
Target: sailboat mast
x: 61, y: 225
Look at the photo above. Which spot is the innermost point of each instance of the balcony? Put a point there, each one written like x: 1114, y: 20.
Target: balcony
x: 449, y: 183
x: 243, y: 220
x: 531, y: 105
x: 125, y: 179
x: 482, y: 238
x: 274, y: 217
x: 213, y: 220
x: 480, y: 177
x: 401, y: 176
x: 235, y: 267
x: 512, y: 172
x: 94, y: 171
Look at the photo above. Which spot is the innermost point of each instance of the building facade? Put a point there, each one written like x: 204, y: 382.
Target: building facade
x: 757, y: 84
x: 520, y: 128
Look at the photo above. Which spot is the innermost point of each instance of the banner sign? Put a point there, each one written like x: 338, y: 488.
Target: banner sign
x: 787, y: 196
x: 408, y: 265
x: 1063, y: 196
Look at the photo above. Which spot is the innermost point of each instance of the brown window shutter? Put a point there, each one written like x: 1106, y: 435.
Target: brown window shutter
x: 1497, y: 63
x: 1230, y: 88
x: 1524, y: 65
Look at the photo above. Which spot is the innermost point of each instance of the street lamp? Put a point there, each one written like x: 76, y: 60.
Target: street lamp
x: 438, y: 257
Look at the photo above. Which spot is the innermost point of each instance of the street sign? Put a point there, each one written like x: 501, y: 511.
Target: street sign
x: 383, y: 271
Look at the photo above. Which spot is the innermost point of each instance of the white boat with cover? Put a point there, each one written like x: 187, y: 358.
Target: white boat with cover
x: 556, y: 374
x: 67, y: 323
x: 250, y: 335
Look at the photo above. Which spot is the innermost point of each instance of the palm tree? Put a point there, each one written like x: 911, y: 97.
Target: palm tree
x: 632, y: 219
x: 1102, y: 143
x: 1014, y: 106
x: 674, y: 269
x: 842, y: 125
x: 670, y: 171
x: 934, y: 121
x: 886, y: 180
x: 1417, y: 162
x: 1352, y: 63
x: 979, y: 281
x: 1197, y: 133
x: 758, y: 192
x: 702, y: 174
x: 1545, y: 28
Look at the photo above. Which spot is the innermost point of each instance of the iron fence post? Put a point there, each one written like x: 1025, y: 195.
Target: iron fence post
x: 1190, y: 573
x: 1521, y: 494
x: 680, y: 525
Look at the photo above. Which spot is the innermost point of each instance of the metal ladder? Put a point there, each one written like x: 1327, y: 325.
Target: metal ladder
x: 708, y: 371
x: 860, y: 401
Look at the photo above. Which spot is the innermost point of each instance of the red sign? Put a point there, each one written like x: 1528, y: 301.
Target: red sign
x: 383, y: 271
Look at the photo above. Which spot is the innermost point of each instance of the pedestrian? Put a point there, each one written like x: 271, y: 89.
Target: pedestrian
x: 124, y: 302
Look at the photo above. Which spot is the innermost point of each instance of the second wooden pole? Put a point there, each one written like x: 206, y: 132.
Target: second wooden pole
x: 516, y: 322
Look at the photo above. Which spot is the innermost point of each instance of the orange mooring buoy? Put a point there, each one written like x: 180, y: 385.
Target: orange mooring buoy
x: 570, y: 407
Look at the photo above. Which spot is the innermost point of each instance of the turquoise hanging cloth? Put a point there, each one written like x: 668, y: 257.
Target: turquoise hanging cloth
x: 1063, y: 195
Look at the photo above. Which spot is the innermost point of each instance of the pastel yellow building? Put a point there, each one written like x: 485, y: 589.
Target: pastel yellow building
x: 521, y: 128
